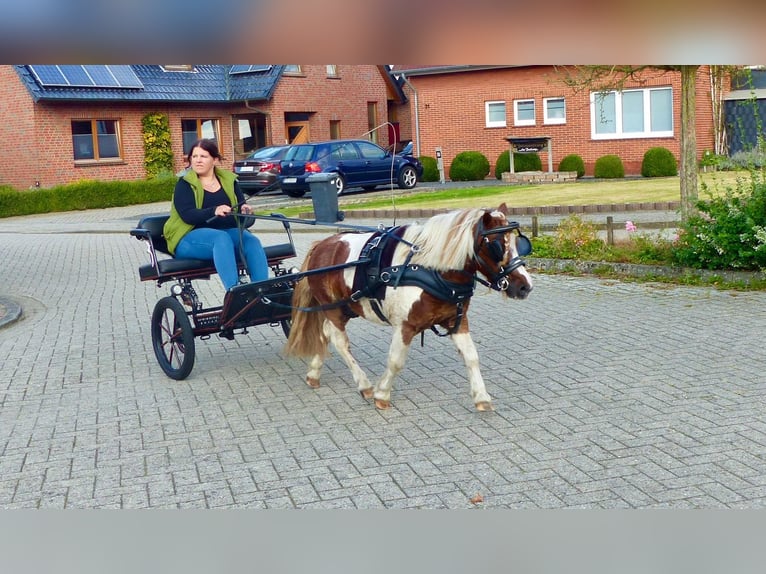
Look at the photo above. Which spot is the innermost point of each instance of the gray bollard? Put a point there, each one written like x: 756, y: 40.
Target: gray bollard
x: 324, y: 196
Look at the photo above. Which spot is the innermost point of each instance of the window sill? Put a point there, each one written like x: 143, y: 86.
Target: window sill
x: 98, y: 162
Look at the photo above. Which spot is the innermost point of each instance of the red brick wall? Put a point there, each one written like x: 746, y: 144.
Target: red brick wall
x: 343, y: 98
x: 452, y: 115
x: 38, y: 137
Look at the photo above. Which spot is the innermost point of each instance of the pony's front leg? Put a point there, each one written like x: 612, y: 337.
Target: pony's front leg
x: 339, y: 339
x: 465, y: 346
x: 397, y: 354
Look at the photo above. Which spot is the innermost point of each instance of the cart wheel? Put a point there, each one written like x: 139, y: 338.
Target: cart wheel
x: 172, y: 338
x: 286, y: 326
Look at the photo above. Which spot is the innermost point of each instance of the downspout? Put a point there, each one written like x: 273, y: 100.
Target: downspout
x: 417, y: 115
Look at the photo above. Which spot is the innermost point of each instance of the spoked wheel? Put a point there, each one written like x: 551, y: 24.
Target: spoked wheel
x: 173, y: 338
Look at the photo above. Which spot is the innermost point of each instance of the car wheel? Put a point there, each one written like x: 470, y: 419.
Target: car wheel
x: 294, y: 192
x: 407, y: 177
x: 340, y: 183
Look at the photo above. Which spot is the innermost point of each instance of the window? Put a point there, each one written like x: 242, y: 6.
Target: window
x: 195, y: 129
x: 334, y: 129
x: 370, y: 151
x: 554, y: 111
x: 372, y: 120
x: 524, y: 112
x: 96, y: 140
x: 332, y: 71
x: 637, y: 113
x: 292, y: 69
x: 494, y: 113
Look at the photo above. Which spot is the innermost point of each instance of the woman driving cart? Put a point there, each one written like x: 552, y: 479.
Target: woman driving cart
x: 201, y: 224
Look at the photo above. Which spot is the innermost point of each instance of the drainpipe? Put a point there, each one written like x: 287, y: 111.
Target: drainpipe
x: 417, y: 115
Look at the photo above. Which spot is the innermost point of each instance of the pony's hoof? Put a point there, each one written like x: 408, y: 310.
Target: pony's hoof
x: 312, y: 382
x: 484, y: 406
x: 382, y: 405
x: 366, y: 393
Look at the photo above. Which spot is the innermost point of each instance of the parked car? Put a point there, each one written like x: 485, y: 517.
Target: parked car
x: 258, y: 172
x: 357, y: 163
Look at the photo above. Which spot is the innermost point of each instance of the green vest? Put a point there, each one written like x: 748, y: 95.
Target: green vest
x: 175, y: 227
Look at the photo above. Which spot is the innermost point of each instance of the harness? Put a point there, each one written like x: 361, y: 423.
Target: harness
x: 372, y: 279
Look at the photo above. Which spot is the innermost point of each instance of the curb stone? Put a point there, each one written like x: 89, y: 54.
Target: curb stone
x: 10, y: 311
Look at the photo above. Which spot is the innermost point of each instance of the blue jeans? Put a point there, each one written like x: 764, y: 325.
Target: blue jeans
x: 222, y: 246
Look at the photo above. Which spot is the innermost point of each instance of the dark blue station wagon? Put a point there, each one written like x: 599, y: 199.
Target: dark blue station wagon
x: 357, y: 163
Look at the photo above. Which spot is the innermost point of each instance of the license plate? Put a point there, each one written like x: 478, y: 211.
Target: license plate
x: 290, y: 180
x: 245, y: 168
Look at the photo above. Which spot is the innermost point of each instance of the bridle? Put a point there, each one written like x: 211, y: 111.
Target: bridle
x: 496, y: 247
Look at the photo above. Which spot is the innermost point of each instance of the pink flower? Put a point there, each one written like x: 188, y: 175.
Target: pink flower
x: 630, y: 226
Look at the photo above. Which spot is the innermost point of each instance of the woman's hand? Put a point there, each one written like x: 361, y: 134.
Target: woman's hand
x: 223, y: 210
x: 246, y: 209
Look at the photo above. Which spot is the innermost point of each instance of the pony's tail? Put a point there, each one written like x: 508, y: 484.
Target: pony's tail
x: 307, y: 337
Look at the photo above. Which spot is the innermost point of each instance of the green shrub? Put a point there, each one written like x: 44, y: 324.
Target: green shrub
x: 729, y: 232
x: 469, y: 166
x: 576, y: 238
x: 503, y: 164
x: 573, y: 162
x: 527, y: 162
x: 85, y: 194
x: 158, y: 154
x: 521, y: 162
x: 609, y: 167
x: 659, y: 162
x: 430, y: 168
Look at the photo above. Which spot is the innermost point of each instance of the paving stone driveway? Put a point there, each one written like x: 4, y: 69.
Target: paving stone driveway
x: 607, y: 395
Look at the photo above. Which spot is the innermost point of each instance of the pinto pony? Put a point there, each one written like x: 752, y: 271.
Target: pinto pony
x: 423, y: 278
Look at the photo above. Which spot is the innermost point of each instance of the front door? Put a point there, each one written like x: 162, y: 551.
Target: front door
x: 297, y: 132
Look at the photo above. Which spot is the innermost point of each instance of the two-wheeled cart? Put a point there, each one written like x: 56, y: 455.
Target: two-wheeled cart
x: 181, y: 317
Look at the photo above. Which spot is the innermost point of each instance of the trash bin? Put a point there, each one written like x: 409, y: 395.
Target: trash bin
x: 324, y: 196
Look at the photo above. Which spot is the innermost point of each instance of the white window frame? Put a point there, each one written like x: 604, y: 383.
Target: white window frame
x: 494, y: 123
x: 619, y: 133
x: 549, y: 120
x: 518, y: 121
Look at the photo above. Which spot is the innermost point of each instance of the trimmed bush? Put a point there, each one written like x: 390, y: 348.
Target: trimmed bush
x: 573, y: 162
x: 469, y: 166
x: 521, y: 162
x: 85, y: 194
x: 609, y: 167
x: 659, y: 162
x: 430, y: 168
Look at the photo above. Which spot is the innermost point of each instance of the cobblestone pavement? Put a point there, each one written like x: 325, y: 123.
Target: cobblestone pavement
x: 607, y: 395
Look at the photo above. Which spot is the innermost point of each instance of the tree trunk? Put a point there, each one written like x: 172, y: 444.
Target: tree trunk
x: 688, y: 171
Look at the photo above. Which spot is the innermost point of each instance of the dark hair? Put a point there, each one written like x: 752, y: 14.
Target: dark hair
x: 208, y: 145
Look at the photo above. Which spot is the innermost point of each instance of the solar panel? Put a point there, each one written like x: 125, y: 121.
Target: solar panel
x: 49, y: 75
x: 87, y: 76
x: 243, y: 69
x: 125, y: 76
x: 77, y: 76
x: 102, y: 76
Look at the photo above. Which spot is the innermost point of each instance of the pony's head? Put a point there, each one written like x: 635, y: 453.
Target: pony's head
x: 499, y: 247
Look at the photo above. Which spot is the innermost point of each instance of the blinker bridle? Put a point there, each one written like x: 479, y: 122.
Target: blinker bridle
x: 496, y: 247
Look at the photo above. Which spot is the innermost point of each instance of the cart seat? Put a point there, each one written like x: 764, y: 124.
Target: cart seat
x: 150, y: 229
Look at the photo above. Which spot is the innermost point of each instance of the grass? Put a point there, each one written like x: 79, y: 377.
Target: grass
x: 583, y: 192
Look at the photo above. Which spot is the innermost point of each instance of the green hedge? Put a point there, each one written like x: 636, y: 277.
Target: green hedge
x: 469, y: 166
x: 573, y: 162
x: 521, y: 162
x: 609, y: 167
x: 659, y: 162
x: 430, y: 168
x: 86, y: 194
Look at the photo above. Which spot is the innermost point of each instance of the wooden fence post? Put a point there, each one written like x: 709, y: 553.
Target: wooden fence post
x: 610, y: 230
x: 535, y: 228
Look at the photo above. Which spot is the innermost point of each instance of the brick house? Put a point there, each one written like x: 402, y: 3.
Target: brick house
x: 68, y: 123
x: 461, y: 108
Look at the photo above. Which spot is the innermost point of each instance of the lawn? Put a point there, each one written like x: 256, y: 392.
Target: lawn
x: 583, y: 192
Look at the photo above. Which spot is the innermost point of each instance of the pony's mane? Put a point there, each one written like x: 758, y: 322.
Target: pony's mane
x: 445, y: 240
